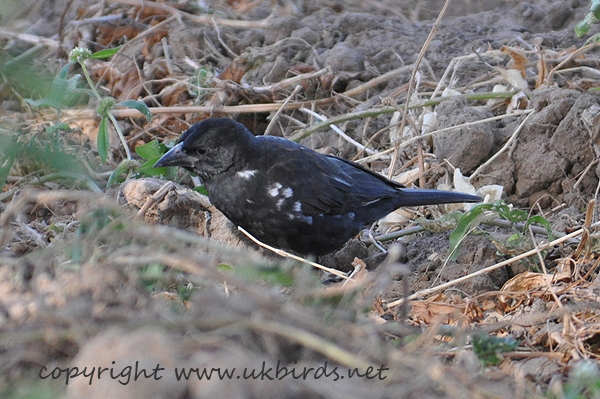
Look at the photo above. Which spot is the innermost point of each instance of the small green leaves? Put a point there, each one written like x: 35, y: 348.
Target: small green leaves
x: 63, y: 90
x: 202, y: 79
x: 62, y: 126
x: 62, y: 93
x: 270, y: 274
x: 201, y: 189
x: 152, y: 152
x: 106, y: 53
x: 488, y: 348
x: 471, y: 219
x: 80, y: 54
x: 126, y: 167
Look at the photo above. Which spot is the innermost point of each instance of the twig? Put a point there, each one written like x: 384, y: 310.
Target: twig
x: 276, y: 116
x: 294, y: 80
x: 545, y: 271
x: 270, y: 107
x: 378, y: 80
x: 202, y: 19
x: 411, y: 83
x: 310, y: 340
x: 386, y: 110
x: 283, y: 253
x: 50, y: 177
x: 506, y: 146
x: 225, y: 46
x: 569, y: 58
x: 167, y: 51
x: 339, y: 132
x: 422, y: 136
x: 33, y: 39
x: 157, y: 196
x: 457, y: 61
x: 496, y: 222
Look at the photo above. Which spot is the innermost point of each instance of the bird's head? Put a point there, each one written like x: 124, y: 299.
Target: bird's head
x: 208, y: 148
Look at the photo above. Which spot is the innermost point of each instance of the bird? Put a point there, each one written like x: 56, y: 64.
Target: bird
x: 287, y: 195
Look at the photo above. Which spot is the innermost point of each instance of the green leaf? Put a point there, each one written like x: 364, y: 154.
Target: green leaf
x: 487, y: 348
x: 595, y: 9
x: 541, y: 220
x: 462, y: 227
x: 151, y: 150
x: 138, y: 105
x: 102, y: 141
x: 62, y: 74
x: 62, y: 126
x: 106, y: 53
x: 153, y: 272
x: 582, y: 28
x: 201, y: 190
x: 510, y: 214
x: 225, y: 267
x: 116, y: 174
x: 148, y: 168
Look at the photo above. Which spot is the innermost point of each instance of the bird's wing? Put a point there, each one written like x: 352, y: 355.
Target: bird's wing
x: 328, y: 185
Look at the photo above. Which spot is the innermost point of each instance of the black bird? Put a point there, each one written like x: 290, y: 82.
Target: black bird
x: 287, y: 195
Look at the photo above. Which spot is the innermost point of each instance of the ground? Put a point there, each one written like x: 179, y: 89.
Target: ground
x: 116, y: 270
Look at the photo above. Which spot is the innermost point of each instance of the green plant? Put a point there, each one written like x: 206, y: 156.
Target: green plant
x: 41, y: 157
x: 201, y: 80
x: 64, y: 91
x: 583, y: 26
x: 471, y: 219
x: 150, y: 152
x: 80, y: 55
x: 488, y: 349
x: 583, y: 382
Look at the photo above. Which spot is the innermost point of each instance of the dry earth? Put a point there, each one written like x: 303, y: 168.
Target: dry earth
x: 118, y: 277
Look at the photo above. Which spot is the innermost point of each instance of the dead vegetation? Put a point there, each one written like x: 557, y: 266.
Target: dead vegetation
x: 91, y: 274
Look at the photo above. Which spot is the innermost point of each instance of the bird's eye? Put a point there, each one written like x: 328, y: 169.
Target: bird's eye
x: 201, y: 151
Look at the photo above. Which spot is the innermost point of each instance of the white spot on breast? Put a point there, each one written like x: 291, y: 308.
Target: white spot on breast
x: 287, y: 192
x: 297, y: 206
x: 246, y: 174
x: 280, y: 203
x: 274, y: 189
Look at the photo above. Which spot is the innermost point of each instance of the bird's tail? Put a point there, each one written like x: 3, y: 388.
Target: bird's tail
x: 420, y: 196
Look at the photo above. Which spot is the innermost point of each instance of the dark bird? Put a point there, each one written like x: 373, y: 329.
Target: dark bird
x: 287, y: 195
